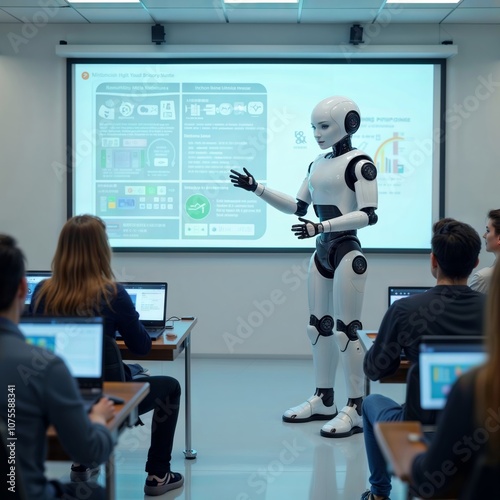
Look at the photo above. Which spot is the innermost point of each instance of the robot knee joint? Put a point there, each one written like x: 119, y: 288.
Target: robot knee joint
x: 350, y: 330
x: 359, y: 265
x: 320, y: 327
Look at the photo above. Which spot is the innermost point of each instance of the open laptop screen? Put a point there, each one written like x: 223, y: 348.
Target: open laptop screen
x: 78, y: 341
x: 399, y: 292
x: 150, y: 301
x: 33, y: 278
x: 442, y: 360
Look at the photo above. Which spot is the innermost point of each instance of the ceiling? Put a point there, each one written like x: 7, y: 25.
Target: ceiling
x: 215, y: 11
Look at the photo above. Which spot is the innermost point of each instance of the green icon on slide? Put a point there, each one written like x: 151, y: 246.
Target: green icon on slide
x: 197, y: 206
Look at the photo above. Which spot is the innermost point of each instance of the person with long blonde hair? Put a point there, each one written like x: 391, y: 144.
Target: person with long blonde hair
x: 83, y: 284
x: 464, y: 455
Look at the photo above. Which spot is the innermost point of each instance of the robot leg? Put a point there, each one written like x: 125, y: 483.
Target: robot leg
x: 325, y: 352
x: 350, y: 278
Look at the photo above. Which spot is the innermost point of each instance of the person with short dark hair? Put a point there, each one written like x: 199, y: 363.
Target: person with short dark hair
x: 470, y: 444
x: 49, y: 396
x: 448, y: 308
x: 481, y: 279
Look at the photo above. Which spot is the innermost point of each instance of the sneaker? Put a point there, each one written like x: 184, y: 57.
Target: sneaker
x: 345, y: 424
x: 312, y: 409
x: 81, y: 472
x: 368, y: 495
x: 157, y: 486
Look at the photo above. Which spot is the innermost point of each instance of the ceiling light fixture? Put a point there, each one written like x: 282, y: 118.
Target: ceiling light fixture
x: 261, y: 1
x: 423, y: 1
x: 103, y: 1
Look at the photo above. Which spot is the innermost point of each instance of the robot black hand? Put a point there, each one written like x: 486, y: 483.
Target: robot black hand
x: 246, y: 182
x: 307, y: 230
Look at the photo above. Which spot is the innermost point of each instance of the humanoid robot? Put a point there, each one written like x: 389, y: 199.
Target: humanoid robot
x: 342, y: 187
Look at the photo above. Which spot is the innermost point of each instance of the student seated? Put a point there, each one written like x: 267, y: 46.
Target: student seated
x: 480, y: 281
x: 43, y: 394
x: 464, y: 455
x: 82, y: 284
x: 449, y: 308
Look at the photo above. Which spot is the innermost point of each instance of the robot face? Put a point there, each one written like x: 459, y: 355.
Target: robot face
x: 333, y: 119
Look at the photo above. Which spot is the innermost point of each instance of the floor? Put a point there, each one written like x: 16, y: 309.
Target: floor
x: 245, y: 451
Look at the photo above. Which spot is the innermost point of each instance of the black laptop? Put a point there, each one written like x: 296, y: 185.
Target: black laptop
x: 400, y: 292
x: 79, y: 342
x: 150, y: 301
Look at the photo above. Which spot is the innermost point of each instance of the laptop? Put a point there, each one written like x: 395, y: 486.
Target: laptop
x: 399, y: 292
x: 79, y: 342
x: 442, y: 359
x: 33, y: 278
x: 150, y: 301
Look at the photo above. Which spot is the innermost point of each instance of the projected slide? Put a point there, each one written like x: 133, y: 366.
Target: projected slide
x: 154, y: 143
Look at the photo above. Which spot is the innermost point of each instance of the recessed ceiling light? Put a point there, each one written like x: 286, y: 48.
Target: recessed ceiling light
x: 261, y: 1
x: 104, y: 1
x: 422, y: 1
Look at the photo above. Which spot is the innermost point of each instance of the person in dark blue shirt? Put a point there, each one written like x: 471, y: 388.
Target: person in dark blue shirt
x: 449, y: 308
x: 83, y: 284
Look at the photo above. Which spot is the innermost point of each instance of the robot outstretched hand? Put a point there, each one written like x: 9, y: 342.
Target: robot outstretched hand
x: 307, y: 230
x: 246, y: 182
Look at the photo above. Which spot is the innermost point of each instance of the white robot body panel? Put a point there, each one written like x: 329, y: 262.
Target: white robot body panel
x: 366, y: 190
x: 304, y: 192
x: 327, y: 183
x: 281, y: 201
x: 353, y: 220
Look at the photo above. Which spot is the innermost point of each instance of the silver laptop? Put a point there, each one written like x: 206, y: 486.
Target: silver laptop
x: 150, y: 301
x: 442, y: 359
x: 79, y: 342
x: 399, y: 292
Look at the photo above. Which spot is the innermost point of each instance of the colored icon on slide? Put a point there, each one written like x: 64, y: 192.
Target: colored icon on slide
x: 197, y: 206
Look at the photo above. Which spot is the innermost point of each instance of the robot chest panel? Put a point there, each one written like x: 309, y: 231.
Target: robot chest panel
x: 327, y: 183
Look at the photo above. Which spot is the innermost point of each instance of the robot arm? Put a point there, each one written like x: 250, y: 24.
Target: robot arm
x: 283, y: 202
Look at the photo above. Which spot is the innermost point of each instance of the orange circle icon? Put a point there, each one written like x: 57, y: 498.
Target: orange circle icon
x: 85, y: 76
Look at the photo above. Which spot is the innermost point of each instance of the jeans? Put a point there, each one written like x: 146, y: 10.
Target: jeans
x: 164, y: 398
x: 378, y: 408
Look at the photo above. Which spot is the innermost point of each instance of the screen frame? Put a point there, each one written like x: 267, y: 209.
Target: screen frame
x: 437, y: 173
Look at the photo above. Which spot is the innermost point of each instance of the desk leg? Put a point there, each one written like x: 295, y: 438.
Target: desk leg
x: 110, y: 477
x: 189, y: 453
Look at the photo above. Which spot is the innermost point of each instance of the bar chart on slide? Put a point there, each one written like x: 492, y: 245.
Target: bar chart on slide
x: 387, y: 159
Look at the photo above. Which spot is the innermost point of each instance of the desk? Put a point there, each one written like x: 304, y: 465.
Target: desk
x: 163, y: 349
x: 366, y: 338
x: 397, y: 449
x: 126, y: 415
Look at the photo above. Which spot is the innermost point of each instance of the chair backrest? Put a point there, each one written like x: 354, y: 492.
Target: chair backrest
x: 413, y: 410
x: 15, y: 491
x: 483, y: 480
x: 114, y: 369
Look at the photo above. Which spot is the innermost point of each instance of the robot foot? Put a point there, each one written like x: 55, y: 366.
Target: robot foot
x: 345, y: 424
x: 312, y: 409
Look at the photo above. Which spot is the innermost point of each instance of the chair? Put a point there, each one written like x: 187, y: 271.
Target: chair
x: 412, y: 409
x: 114, y: 369
x: 18, y: 493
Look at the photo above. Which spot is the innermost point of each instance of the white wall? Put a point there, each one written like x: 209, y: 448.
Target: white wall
x: 233, y: 294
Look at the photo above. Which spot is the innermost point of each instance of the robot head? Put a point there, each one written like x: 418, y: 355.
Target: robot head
x: 333, y: 119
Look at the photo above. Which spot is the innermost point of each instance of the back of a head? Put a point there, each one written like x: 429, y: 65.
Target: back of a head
x: 12, y: 270
x: 82, y: 250
x: 456, y: 246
